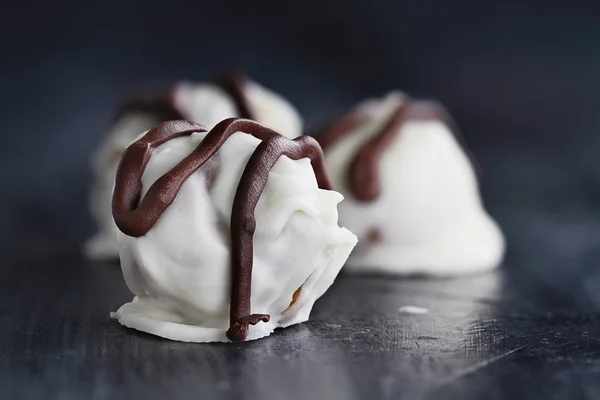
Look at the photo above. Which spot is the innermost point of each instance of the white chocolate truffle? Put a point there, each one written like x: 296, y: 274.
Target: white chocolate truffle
x: 205, y: 103
x: 180, y: 270
x: 428, y: 217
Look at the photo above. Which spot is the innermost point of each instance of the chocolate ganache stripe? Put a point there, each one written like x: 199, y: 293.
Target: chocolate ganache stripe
x: 234, y: 84
x: 364, y: 179
x: 243, y: 223
x: 364, y: 170
x: 135, y: 218
x: 337, y: 129
x: 132, y: 216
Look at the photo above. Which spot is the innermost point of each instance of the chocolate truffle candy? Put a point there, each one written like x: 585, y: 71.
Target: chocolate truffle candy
x: 230, y: 95
x: 411, y: 190
x: 224, y: 235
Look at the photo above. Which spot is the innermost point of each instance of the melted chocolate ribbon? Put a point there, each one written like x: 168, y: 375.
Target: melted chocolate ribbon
x: 234, y: 84
x: 363, y: 174
x: 163, y: 107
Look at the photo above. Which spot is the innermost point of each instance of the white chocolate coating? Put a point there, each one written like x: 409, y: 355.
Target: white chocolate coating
x: 180, y: 270
x: 429, y: 217
x: 203, y: 103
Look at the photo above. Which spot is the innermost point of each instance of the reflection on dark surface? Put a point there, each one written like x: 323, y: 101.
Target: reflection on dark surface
x: 511, y: 332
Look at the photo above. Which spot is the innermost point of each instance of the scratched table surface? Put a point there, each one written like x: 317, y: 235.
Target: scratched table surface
x: 530, y: 330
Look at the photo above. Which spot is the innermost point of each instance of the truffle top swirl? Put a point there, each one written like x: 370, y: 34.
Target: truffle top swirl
x: 135, y: 216
x: 364, y: 175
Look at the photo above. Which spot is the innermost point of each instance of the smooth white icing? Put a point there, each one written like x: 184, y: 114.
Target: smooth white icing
x: 180, y: 270
x: 204, y: 103
x: 430, y: 215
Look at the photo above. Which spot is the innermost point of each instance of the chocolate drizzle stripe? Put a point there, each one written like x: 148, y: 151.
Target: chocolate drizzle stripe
x: 336, y: 130
x: 364, y: 179
x: 163, y: 108
x: 132, y: 216
x: 235, y: 85
x: 135, y: 218
x: 363, y: 174
x: 250, y: 188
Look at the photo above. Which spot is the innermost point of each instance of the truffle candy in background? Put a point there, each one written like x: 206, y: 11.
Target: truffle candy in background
x: 231, y: 95
x: 244, y: 201
x: 411, y: 192
x: 235, y: 96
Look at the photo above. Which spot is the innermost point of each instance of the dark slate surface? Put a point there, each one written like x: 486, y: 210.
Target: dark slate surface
x: 521, y: 78
x: 517, y: 333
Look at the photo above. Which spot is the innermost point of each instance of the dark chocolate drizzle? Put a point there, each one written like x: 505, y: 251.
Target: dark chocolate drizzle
x: 234, y: 84
x: 163, y: 108
x: 337, y: 129
x: 135, y: 216
x: 363, y: 174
